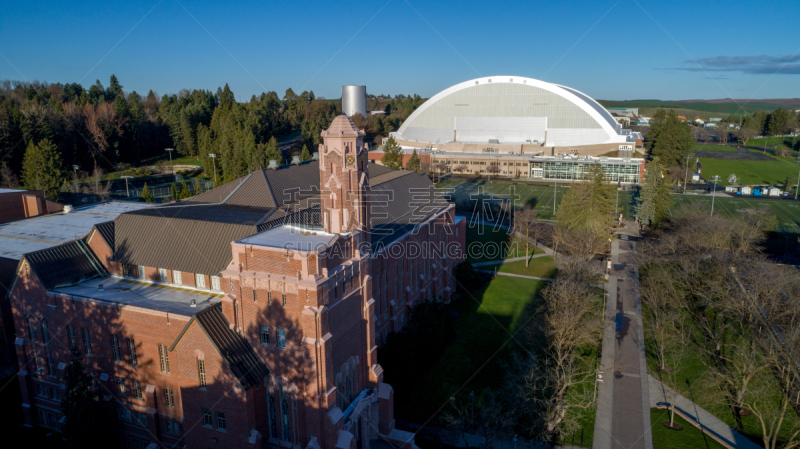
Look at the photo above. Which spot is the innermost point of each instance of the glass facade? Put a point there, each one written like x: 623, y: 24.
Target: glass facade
x: 615, y: 171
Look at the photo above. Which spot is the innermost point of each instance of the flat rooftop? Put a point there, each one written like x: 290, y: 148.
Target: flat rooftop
x: 291, y: 237
x: 32, y: 234
x: 166, y: 298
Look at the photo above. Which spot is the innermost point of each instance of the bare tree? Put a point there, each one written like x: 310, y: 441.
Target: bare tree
x: 460, y: 168
x: 525, y: 222
x: 7, y: 177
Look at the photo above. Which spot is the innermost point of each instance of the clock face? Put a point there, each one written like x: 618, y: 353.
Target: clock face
x: 350, y: 160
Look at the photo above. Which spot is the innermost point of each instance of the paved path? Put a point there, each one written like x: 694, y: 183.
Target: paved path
x: 660, y: 395
x: 623, y: 400
x: 512, y: 259
x: 500, y: 273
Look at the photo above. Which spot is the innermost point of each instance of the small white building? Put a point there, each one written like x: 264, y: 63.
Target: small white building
x: 710, y: 125
x: 747, y: 190
x: 775, y: 191
x: 732, y: 189
x: 699, y: 121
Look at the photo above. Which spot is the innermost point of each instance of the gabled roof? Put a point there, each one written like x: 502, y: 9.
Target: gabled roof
x: 65, y: 264
x: 235, y: 349
x: 106, y: 230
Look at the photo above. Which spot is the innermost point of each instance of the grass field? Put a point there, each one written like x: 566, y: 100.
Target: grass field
x: 787, y: 212
x: 540, y: 197
x: 689, y: 438
x: 487, y: 243
x: 770, y: 141
x: 542, y: 267
x: 750, y: 172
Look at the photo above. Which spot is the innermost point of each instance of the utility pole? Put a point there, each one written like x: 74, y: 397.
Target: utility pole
x: 126, y: 178
x: 714, y: 194
x: 686, y: 178
x: 170, y: 162
x: 796, y: 187
x: 214, y: 159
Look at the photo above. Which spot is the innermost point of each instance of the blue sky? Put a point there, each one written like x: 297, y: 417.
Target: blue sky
x: 626, y: 49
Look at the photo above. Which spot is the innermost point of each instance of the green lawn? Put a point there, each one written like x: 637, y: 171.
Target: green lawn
x: 770, y: 141
x: 486, y: 243
x: 689, y: 438
x: 750, y: 172
x: 543, y: 267
x: 474, y: 361
x: 540, y: 197
x: 787, y: 212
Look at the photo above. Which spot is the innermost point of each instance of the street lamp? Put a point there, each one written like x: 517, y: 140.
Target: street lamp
x: 214, y: 159
x: 170, y: 161
x: 713, y: 194
x: 126, y: 178
x: 75, y: 168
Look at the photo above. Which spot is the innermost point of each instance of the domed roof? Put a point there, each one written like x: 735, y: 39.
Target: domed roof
x: 342, y: 125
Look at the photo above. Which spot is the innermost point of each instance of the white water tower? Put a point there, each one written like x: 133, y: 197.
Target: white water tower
x: 354, y: 100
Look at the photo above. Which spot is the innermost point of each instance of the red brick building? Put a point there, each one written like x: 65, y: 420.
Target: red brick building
x: 248, y: 316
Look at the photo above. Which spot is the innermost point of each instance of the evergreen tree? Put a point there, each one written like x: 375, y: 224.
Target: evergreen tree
x: 392, y: 154
x: 304, y: 154
x: 173, y: 192
x: 41, y: 168
x: 413, y: 163
x: 273, y: 152
x: 87, y: 418
x: 146, y: 195
x: 114, y: 89
x: 184, y: 193
x: 654, y: 200
x: 670, y: 139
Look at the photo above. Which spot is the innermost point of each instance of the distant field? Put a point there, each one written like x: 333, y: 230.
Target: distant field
x: 705, y: 107
x: 750, y: 172
x: 771, y: 141
x: 541, y: 197
x: 787, y: 212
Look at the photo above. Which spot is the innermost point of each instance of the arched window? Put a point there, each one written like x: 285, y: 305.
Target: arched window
x: 285, y: 415
x: 273, y: 420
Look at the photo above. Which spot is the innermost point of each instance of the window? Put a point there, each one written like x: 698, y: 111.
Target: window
x: 32, y: 328
x: 87, y: 341
x: 115, y: 353
x: 127, y: 270
x: 142, y: 274
x: 164, y: 358
x: 169, y: 398
x: 281, y: 338
x: 176, y: 277
x: 73, y: 345
x: 173, y: 428
x: 141, y: 418
x: 265, y: 335
x: 207, y: 418
x: 199, y: 280
x: 162, y: 275
x: 221, y: 423
x: 121, y: 386
x: 255, y: 295
x: 201, y: 372
x: 137, y: 389
x: 42, y: 390
x: 55, y: 394
x: 269, y: 298
x: 123, y: 414
x: 284, y: 299
x: 132, y: 351
x: 215, y: 283
x: 273, y: 420
x: 51, y: 364
x: 285, y: 415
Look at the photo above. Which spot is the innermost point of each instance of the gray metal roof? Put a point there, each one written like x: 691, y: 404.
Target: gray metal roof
x: 235, y: 349
x: 69, y: 263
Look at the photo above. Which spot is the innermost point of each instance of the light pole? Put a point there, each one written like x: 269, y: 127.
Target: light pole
x: 170, y: 162
x: 555, y: 195
x: 214, y: 159
x: 796, y: 187
x: 126, y: 178
x: 75, y: 168
x: 686, y: 178
x: 714, y: 194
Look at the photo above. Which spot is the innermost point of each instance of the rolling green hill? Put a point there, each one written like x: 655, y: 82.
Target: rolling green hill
x: 704, y: 108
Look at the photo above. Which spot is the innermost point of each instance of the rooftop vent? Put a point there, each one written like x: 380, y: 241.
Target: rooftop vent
x: 67, y: 208
x: 273, y: 165
x: 100, y: 288
x: 315, y: 156
x: 194, y: 303
x: 296, y: 160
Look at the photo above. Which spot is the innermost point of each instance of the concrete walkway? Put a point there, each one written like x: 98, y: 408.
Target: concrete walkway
x: 511, y: 259
x: 500, y: 273
x: 623, y: 399
x: 711, y: 425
